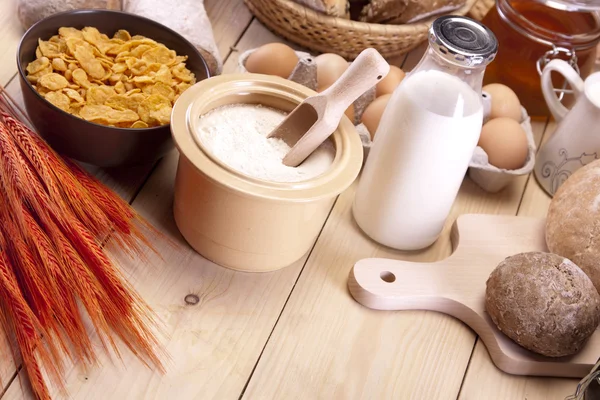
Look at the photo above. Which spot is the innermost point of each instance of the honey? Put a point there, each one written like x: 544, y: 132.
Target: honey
x: 529, y: 30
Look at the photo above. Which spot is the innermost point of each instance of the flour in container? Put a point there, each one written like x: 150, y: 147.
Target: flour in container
x: 237, y: 135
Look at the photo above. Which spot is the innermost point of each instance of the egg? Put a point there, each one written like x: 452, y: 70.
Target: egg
x: 391, y: 81
x: 350, y: 113
x: 272, y: 59
x: 505, y: 142
x: 329, y: 68
x: 372, y: 114
x: 505, y: 102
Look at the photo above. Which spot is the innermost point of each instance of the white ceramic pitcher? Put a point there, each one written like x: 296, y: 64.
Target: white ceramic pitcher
x: 576, y: 141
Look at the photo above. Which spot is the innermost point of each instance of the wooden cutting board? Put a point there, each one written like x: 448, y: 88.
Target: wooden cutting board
x: 456, y: 286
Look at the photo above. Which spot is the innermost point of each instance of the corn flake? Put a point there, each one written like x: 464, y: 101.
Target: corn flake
x: 38, y: 65
x: 99, y: 94
x: 53, y: 81
x: 123, y: 81
x: 58, y: 64
x: 123, y: 35
x: 139, y: 125
x: 74, y: 95
x: 59, y: 99
x: 80, y: 77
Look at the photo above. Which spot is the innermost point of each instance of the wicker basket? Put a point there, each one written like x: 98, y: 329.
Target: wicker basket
x: 322, y: 33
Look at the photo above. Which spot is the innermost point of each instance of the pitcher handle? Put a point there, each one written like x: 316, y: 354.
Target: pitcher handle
x: 562, y: 67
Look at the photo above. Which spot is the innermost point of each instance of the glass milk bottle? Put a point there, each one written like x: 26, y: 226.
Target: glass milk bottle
x: 426, y: 138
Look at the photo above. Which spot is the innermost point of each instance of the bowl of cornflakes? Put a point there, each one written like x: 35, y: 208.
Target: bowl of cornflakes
x: 100, y: 85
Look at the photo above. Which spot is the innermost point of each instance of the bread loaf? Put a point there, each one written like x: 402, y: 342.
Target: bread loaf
x: 573, y: 221
x: 335, y: 8
x: 417, y: 10
x: 543, y: 302
x: 381, y: 11
x: 31, y: 11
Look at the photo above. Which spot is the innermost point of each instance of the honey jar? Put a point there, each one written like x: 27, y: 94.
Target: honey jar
x: 530, y: 33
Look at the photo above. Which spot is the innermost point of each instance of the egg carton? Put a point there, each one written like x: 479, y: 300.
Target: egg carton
x: 305, y: 73
x: 493, y: 179
x: 485, y: 175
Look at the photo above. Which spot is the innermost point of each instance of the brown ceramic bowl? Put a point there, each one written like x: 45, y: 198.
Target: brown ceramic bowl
x: 86, y: 141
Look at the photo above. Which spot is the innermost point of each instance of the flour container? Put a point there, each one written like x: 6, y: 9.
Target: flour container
x: 238, y: 221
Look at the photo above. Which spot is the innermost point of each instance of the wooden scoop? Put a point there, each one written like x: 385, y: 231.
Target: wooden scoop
x: 317, y: 117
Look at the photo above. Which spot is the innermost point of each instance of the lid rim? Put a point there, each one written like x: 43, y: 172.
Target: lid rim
x: 344, y: 170
x: 463, y: 41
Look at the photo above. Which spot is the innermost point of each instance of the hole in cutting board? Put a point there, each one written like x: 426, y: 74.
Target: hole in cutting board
x: 387, y: 276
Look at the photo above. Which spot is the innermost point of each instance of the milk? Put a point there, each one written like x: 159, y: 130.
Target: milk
x: 418, y: 160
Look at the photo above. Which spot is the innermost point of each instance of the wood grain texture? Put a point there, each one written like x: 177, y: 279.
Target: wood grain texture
x: 213, y: 344
x: 363, y: 353
x: 229, y: 19
x: 10, y: 35
x: 483, y: 379
x: 124, y: 181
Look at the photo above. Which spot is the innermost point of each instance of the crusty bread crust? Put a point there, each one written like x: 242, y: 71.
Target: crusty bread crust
x: 543, y: 302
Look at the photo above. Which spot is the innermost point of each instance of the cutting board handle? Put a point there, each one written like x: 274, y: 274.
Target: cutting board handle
x: 385, y: 284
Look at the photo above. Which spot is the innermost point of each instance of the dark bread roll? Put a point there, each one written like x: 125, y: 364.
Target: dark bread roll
x: 417, y: 10
x: 543, y: 302
x: 573, y: 221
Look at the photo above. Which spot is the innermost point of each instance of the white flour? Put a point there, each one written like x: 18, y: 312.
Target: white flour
x: 237, y: 135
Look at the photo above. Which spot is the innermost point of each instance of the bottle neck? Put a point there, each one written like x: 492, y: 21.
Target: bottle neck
x: 472, y: 76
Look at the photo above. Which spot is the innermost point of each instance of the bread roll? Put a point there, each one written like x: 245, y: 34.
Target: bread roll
x: 417, y: 10
x: 381, y: 11
x: 335, y: 8
x: 573, y: 221
x: 543, y: 302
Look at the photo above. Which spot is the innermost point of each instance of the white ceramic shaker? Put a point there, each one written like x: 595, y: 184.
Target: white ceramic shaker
x: 426, y: 138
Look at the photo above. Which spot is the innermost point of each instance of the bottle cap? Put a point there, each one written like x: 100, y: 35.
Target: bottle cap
x: 463, y: 41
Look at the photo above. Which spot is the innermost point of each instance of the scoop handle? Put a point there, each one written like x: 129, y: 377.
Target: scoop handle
x: 365, y: 72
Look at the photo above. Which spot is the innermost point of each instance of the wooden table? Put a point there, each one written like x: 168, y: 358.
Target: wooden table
x: 295, y: 333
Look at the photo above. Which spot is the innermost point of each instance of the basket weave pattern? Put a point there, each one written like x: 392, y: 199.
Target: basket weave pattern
x: 323, y: 33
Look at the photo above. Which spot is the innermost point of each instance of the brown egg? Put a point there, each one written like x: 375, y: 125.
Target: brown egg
x: 350, y: 113
x: 505, y: 102
x: 372, y: 114
x: 505, y: 142
x: 272, y: 59
x: 329, y: 68
x: 391, y: 81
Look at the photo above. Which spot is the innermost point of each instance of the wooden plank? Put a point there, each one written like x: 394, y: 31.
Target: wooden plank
x: 483, y: 379
x: 124, y: 181
x: 229, y: 19
x: 214, y: 345
x: 327, y: 346
x: 10, y: 32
